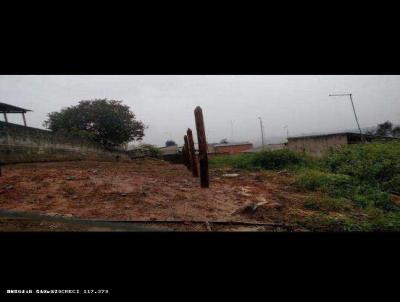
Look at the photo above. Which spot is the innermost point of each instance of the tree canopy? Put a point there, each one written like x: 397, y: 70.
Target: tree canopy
x: 107, y: 122
x: 169, y: 143
x: 386, y: 129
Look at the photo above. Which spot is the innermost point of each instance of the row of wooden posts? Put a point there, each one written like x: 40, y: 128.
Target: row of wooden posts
x: 198, y: 163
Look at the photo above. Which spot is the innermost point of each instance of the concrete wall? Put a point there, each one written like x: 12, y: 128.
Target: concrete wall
x: 317, y: 145
x: 27, y: 144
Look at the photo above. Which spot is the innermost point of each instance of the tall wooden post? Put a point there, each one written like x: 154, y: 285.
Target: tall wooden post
x: 201, y: 138
x: 193, y: 161
x: 187, y: 152
x: 5, y: 117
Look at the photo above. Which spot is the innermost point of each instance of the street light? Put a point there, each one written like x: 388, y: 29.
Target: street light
x: 354, y: 110
x: 262, y: 132
x: 287, y: 131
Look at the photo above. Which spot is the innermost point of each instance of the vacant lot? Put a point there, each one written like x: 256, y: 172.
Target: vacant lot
x: 278, y: 191
x: 152, y: 190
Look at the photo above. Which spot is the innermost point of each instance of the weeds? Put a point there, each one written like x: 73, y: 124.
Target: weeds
x: 328, y: 204
x: 376, y: 164
x: 355, y: 180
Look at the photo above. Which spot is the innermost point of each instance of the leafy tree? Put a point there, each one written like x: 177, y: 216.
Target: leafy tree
x: 169, y: 143
x: 107, y: 122
x: 384, y: 129
x: 224, y: 141
x: 396, y: 131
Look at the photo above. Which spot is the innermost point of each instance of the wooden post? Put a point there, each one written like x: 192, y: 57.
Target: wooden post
x: 23, y: 116
x: 187, y: 154
x: 193, y: 161
x: 201, y: 138
x: 184, y: 156
x: 5, y: 117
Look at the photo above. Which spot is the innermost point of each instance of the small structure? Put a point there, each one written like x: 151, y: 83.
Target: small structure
x: 172, y: 154
x: 169, y: 150
x: 230, y: 148
x: 6, y: 108
x: 318, y: 145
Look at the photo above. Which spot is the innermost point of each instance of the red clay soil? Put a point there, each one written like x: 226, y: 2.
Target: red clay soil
x: 147, y: 190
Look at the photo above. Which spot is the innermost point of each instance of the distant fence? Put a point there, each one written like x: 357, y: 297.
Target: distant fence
x: 26, y: 144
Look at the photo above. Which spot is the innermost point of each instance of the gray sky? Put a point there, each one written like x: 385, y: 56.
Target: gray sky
x: 166, y: 103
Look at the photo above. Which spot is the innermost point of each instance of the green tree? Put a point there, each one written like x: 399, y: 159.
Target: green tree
x: 384, y: 129
x: 396, y: 131
x: 107, y: 122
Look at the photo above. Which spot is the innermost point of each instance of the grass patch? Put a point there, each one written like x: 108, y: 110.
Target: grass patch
x: 325, y: 222
x: 344, y: 186
x: 323, y: 181
x: 374, y: 220
x: 328, y: 204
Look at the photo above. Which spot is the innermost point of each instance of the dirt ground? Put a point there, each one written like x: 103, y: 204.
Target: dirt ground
x: 151, y: 191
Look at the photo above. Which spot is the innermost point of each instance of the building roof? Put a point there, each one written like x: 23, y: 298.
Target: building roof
x: 232, y: 144
x: 352, y: 134
x: 12, y: 109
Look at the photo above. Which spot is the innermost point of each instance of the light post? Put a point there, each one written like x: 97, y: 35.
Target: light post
x: 262, y: 132
x: 287, y: 131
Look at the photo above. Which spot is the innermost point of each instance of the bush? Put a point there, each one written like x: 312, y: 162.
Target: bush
x: 279, y: 159
x: 152, y: 151
x: 375, y: 164
x: 270, y: 160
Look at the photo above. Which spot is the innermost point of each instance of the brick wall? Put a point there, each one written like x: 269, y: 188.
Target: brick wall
x: 232, y: 149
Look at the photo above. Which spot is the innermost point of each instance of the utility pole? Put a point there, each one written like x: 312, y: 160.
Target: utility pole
x: 262, y: 132
x: 287, y: 131
x: 231, y: 130
x: 354, y: 110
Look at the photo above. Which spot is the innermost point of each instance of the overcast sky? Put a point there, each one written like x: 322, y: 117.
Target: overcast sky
x: 166, y: 103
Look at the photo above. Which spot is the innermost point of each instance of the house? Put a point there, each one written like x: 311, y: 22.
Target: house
x: 318, y: 145
x: 229, y: 148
